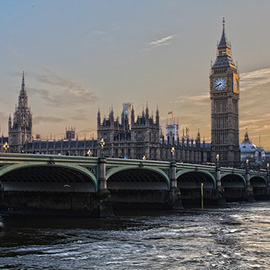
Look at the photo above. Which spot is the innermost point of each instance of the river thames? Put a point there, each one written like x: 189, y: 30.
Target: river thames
x: 234, y: 237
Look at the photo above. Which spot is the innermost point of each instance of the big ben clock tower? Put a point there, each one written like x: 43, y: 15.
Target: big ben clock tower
x: 224, y: 93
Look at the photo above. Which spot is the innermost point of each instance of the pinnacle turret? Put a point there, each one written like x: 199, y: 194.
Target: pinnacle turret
x: 20, y: 131
x: 23, y: 85
x: 23, y: 100
x: 223, y: 41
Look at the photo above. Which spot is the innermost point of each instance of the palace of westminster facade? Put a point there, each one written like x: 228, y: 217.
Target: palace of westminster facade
x: 141, y: 137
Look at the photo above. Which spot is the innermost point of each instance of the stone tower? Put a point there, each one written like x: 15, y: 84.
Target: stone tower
x: 224, y: 93
x: 138, y: 139
x: 20, y: 131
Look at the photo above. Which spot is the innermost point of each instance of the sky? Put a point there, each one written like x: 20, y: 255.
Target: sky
x: 79, y: 56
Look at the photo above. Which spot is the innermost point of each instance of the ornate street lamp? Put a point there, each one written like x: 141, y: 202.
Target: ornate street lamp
x: 102, y: 144
x: 173, y: 151
x: 247, y: 167
x: 217, y: 161
x: 144, y: 157
x: 5, y: 147
x: 89, y: 153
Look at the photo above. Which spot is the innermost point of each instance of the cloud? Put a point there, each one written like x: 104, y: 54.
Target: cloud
x: 202, y: 99
x: 255, y: 78
x: 80, y: 117
x: 63, y: 92
x: 163, y: 41
x: 87, y: 130
x: 3, y: 115
x: 47, y: 119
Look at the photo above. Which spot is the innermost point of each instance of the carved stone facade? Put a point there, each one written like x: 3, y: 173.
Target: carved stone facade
x: 224, y: 93
x: 142, y: 139
x: 135, y: 140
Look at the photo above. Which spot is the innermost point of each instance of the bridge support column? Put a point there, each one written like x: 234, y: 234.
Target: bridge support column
x: 268, y: 180
x: 220, y: 190
x: 248, y: 194
x: 104, y: 195
x: 174, y: 193
x: 1, y: 195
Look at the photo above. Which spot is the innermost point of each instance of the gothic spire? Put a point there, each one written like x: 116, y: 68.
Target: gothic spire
x: 23, y: 102
x: 23, y: 85
x: 223, y: 41
x: 224, y: 58
x: 246, y: 139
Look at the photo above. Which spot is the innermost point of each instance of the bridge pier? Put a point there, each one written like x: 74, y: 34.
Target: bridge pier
x: 1, y: 193
x: 104, y: 195
x: 268, y: 181
x: 248, y: 194
x: 175, y: 200
x: 219, y: 189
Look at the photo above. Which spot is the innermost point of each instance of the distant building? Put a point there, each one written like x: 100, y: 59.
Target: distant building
x: 254, y: 155
x: 172, y: 131
x: 142, y: 139
x: 127, y: 112
x: 71, y: 147
x: 20, y: 129
x: 70, y: 134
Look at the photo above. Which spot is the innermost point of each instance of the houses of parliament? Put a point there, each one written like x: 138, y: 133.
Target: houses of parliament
x: 140, y: 136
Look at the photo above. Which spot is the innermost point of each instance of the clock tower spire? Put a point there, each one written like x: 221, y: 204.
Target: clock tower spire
x: 224, y: 94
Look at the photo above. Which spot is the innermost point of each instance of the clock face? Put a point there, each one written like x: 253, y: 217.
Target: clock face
x: 236, y: 83
x: 220, y: 84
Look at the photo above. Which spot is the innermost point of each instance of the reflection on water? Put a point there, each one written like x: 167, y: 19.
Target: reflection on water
x: 236, y: 237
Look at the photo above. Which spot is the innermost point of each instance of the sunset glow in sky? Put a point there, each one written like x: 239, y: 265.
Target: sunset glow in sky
x: 79, y: 56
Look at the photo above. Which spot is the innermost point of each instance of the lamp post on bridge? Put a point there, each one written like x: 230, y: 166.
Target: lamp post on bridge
x: 174, y: 193
x: 249, y: 189
x: 6, y: 147
x: 102, y: 144
x: 247, y: 172
x: 267, y: 173
x: 173, y: 151
x: 173, y: 170
x: 220, y: 192
x: 105, y: 206
x: 89, y: 153
x: 218, y: 171
x: 102, y: 168
x: 247, y: 165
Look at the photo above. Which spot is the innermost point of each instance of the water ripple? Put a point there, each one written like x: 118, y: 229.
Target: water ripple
x: 236, y: 237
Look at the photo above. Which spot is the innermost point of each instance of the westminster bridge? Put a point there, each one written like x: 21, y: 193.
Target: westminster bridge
x: 90, y: 184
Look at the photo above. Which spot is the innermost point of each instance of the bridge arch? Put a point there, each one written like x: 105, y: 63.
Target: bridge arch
x: 47, y: 177
x: 193, y: 179
x: 259, y: 184
x: 190, y: 183
x: 138, y: 178
x: 258, y: 181
x: 235, y: 180
x: 234, y: 185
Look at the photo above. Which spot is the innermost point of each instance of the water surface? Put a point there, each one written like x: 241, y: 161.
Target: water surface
x: 235, y: 237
